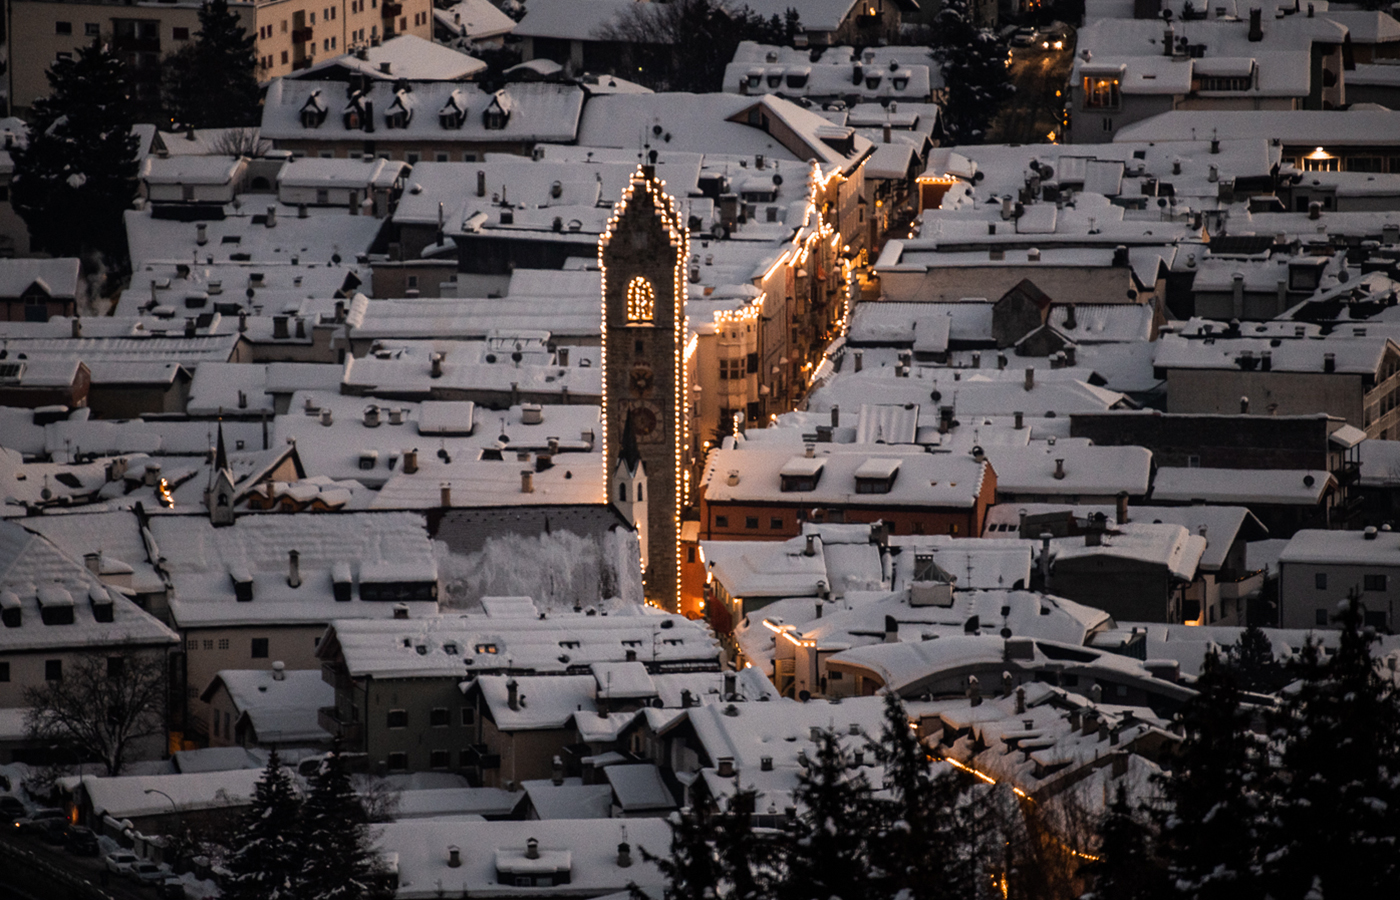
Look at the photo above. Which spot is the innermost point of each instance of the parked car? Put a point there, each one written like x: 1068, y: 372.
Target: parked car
x: 120, y: 863
x: 40, y: 820
x: 171, y: 889
x: 80, y: 841
x: 147, y: 872
x: 54, y: 831
x: 11, y: 808
x: 1024, y: 37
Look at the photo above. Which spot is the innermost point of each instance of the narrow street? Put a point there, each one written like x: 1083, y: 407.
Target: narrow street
x: 28, y: 880
x: 1040, y: 76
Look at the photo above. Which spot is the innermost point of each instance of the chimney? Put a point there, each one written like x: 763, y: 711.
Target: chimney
x: 372, y: 416
x: 445, y: 495
x: 1120, y: 256
x: 1020, y: 419
x: 400, y: 610
x: 293, y: 568
x: 1070, y: 320
x: 1266, y: 360
x: 1045, y: 538
x: 974, y: 690
x: 454, y: 857
x: 860, y: 359
x: 725, y: 768
x: 1238, y: 294
x: 93, y: 561
x: 527, y: 481
x: 887, y: 133
x: 1001, y: 361
x: 77, y: 327
x: 201, y: 234
x: 1315, y: 210
x: 1329, y: 362
x: 326, y: 416
x: 513, y: 701
x: 436, y: 359
x: 1168, y: 41
x: 1244, y: 406
x: 272, y: 217
x: 731, y: 684
x: 301, y: 211
x: 1214, y: 143
x: 1256, y: 25
x: 279, y: 328
x: 624, y: 855
x: 835, y: 416
x: 279, y: 671
x: 480, y: 183
x: 1059, y: 470
x: 532, y: 846
x: 811, y: 548
x: 1122, y: 508
x: 976, y: 359
x: 191, y: 327
x: 1020, y: 700
x: 558, y: 776
x: 1030, y: 377
x: 891, y: 630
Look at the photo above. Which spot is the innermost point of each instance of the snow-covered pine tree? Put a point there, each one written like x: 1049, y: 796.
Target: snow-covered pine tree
x: 76, y: 176
x: 830, y: 853
x: 266, y: 856
x: 692, y: 869
x: 1210, y: 817
x: 338, y: 862
x: 719, y: 853
x: 924, y: 839
x: 213, y: 82
x: 1338, y: 788
x: 1252, y: 658
x: 974, y: 72
x: 1127, y: 867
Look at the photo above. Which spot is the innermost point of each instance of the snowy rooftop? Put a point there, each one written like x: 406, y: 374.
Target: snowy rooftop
x: 1247, y: 486
x: 1070, y: 466
x: 455, y: 645
x: 1170, y: 546
x: 403, y: 56
x: 919, y: 479
x: 279, y: 708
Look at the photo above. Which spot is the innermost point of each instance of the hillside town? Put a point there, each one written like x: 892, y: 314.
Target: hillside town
x: 937, y: 449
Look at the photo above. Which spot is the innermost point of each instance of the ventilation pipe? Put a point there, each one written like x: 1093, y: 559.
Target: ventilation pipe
x: 293, y: 569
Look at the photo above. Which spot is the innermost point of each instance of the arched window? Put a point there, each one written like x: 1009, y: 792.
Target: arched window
x: 622, y: 492
x: 641, y: 300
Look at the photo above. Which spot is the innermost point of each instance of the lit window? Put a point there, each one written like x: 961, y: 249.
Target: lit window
x: 641, y: 300
x: 1100, y: 93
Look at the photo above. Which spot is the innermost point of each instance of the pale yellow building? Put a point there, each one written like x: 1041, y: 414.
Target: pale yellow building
x: 291, y: 34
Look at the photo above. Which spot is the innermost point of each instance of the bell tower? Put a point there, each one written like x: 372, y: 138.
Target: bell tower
x: 642, y: 254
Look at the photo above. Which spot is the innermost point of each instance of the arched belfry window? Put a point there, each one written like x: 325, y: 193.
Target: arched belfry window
x: 641, y: 300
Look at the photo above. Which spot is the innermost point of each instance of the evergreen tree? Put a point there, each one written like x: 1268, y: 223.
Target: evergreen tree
x: 718, y: 853
x: 1252, y: 658
x: 212, y: 82
x: 974, y: 72
x: 1210, y: 820
x: 76, y: 175
x: 266, y: 858
x: 830, y: 851
x: 1339, y: 782
x: 923, y: 837
x: 338, y: 862
x: 1127, y: 867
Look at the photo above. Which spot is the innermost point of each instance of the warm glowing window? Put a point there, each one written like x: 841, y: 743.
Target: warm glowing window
x: 641, y: 300
x: 1100, y: 93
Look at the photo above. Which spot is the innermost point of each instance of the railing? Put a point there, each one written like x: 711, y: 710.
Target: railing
x: 328, y: 717
x: 391, y: 10
x: 1234, y: 584
x: 302, y: 35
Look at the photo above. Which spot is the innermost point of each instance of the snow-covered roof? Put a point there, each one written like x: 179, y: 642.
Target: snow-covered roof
x: 920, y: 479
x: 638, y: 788
x: 1170, y: 546
x: 1309, y: 128
x: 116, y: 535
x: 206, y: 564
x: 181, y: 170
x: 280, y: 704
x: 35, y: 575
x: 538, y: 111
x: 1292, y: 487
x: 455, y: 645
x: 59, y: 277
x: 1070, y: 466
x: 577, y: 20
x: 133, y: 796
x: 474, y: 19
x: 1318, y: 547
x: 403, y: 56
x: 587, y: 846
x: 1350, y: 354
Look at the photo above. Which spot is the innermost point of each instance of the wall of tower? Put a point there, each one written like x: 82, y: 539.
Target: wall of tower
x: 644, y: 374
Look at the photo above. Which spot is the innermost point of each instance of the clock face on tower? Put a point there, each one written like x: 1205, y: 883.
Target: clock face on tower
x: 647, y: 427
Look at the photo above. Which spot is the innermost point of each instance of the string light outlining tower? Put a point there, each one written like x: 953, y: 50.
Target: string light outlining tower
x: 642, y: 255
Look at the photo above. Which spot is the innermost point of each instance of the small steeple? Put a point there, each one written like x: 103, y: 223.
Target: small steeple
x: 628, y: 454
x: 220, y: 453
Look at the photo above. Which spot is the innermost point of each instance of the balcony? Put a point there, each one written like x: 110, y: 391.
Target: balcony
x: 134, y: 44
x: 391, y: 10
x: 328, y: 717
x: 1239, y: 584
x: 303, y: 35
x: 478, y: 757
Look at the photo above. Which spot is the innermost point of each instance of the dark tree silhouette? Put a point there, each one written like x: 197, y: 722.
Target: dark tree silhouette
x: 76, y: 175
x: 266, y: 859
x: 974, y: 73
x: 212, y: 82
x: 101, y: 705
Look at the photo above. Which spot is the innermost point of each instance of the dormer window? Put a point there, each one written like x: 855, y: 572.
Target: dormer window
x: 55, y: 605
x: 872, y: 81
x: 876, y: 476
x: 10, y: 612
x: 497, y: 112
x: 399, y: 113
x: 797, y: 79
x: 451, y: 116
x: 313, y: 111
x: 755, y: 78
x: 487, y: 648
x: 900, y: 81
x: 352, y: 118
x: 801, y: 473
x: 775, y: 79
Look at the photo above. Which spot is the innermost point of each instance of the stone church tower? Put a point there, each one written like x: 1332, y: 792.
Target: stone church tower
x: 643, y: 254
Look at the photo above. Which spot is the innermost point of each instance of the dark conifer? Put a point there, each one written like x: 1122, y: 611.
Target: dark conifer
x: 974, y: 72
x: 212, y: 82
x: 1127, y: 867
x: 266, y: 858
x: 76, y: 175
x: 829, y: 855
x: 338, y: 862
